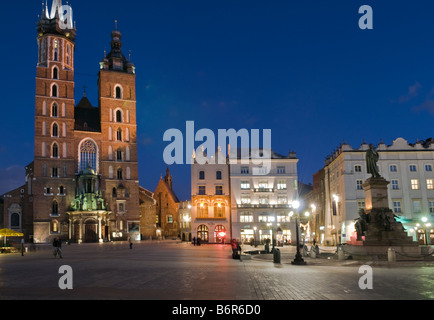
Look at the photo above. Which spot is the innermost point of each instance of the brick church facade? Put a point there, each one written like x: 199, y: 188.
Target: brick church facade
x: 83, y: 183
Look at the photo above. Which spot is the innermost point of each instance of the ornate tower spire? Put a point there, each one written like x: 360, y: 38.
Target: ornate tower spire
x: 115, y: 60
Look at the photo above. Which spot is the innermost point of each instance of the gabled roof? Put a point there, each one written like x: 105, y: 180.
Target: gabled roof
x: 87, y: 118
x: 168, y: 189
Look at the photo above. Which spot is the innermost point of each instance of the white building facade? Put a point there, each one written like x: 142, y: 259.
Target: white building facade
x: 408, y: 168
x: 261, y: 200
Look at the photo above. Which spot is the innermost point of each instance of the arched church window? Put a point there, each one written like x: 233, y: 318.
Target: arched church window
x: 118, y: 92
x: 119, y: 155
x: 56, y: 50
x: 55, y: 208
x: 55, y: 73
x: 68, y: 54
x: 54, y: 90
x: 119, y: 116
x: 55, y: 130
x: 119, y: 135
x: 120, y: 174
x: 54, y: 110
x: 15, y: 220
x: 88, y: 155
x: 55, y: 151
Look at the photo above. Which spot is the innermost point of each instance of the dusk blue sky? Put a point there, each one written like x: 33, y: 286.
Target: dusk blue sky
x: 303, y: 69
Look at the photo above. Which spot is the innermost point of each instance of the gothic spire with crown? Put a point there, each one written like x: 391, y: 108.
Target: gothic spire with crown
x: 57, y: 21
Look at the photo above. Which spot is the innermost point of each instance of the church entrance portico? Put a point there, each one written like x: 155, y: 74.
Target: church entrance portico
x: 88, y: 227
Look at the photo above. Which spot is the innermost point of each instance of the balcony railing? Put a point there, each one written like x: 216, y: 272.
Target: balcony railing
x: 263, y: 190
x: 270, y: 206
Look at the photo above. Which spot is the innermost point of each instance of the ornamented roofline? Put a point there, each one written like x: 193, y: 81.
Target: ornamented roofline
x: 399, y: 144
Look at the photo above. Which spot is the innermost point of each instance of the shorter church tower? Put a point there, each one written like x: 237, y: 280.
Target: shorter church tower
x: 119, y: 166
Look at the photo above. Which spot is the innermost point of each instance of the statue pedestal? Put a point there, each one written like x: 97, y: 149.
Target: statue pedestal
x: 383, y: 231
x: 376, y: 193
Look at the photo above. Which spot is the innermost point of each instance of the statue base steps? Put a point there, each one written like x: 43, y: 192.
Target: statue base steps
x: 380, y: 252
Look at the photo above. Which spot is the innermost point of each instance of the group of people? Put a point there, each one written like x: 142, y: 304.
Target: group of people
x: 196, y: 241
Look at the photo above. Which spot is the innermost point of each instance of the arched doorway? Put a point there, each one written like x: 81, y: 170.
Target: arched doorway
x: 90, y: 231
x: 220, y: 234
x: 203, y: 233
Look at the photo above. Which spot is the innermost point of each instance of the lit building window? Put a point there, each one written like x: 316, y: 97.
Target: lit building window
x: 415, y: 184
x: 202, y: 210
x: 55, y: 226
x: 245, y: 200
x: 219, y: 210
x: 281, y: 185
x: 246, y: 217
x: 245, y: 185
x: 282, y: 200
x: 56, y: 50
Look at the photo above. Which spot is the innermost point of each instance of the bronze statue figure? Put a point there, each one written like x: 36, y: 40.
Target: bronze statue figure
x: 361, y: 224
x: 372, y: 158
x: 383, y: 220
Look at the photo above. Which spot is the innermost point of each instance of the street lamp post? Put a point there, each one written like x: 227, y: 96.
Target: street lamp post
x: 298, y: 258
x: 254, y: 235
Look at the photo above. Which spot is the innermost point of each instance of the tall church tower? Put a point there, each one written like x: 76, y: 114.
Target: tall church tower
x: 117, y: 101
x: 53, y: 164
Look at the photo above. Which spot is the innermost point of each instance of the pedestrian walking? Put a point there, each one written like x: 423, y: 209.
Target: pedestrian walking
x: 198, y: 241
x: 57, y: 248
x: 234, y: 249
x: 194, y: 241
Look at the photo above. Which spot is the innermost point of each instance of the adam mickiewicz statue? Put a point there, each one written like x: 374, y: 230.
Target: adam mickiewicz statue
x: 371, y: 161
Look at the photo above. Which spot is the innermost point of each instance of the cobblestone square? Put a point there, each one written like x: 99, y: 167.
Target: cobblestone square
x: 168, y: 270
